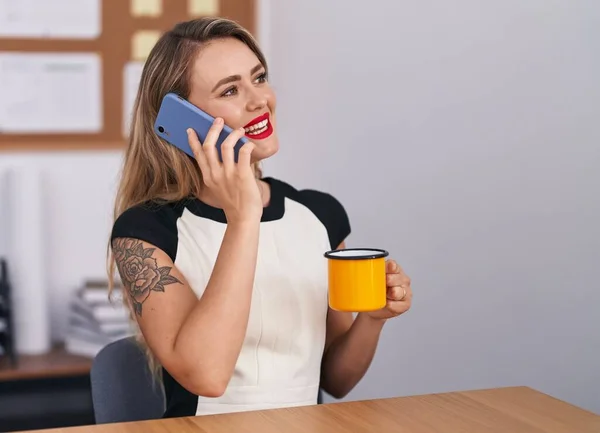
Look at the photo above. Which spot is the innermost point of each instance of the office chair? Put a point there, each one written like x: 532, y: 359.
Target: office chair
x: 123, y: 389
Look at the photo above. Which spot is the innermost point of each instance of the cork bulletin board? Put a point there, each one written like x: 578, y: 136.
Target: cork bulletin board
x: 126, y: 31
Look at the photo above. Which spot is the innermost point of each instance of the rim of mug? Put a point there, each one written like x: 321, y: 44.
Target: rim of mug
x: 377, y: 253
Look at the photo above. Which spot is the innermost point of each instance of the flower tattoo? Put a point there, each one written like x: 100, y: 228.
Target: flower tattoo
x: 139, y: 271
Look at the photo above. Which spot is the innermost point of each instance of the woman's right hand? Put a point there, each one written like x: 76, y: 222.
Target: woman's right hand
x: 233, y: 184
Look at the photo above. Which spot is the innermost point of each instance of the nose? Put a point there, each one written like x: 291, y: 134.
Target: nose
x: 257, y: 100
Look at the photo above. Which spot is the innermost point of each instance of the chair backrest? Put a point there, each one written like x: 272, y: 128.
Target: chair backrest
x: 123, y: 388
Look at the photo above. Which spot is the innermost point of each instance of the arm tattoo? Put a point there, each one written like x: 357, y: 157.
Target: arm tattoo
x: 139, y: 271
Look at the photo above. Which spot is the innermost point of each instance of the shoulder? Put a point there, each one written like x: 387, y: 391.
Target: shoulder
x: 325, y: 206
x: 152, y: 222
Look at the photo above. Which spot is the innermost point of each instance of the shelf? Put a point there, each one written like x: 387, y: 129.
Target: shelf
x: 56, y: 363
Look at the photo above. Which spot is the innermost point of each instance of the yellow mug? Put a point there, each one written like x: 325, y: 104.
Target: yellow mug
x: 357, y: 280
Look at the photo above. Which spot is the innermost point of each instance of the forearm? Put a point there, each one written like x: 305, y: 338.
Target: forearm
x: 349, y: 356
x: 212, y: 335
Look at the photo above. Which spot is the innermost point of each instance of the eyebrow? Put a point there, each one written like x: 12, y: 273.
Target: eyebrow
x: 233, y: 78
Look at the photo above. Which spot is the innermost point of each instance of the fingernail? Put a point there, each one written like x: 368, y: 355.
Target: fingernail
x: 189, y: 131
x: 218, y: 121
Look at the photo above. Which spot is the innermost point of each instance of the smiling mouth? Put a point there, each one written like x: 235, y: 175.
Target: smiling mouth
x: 257, y: 128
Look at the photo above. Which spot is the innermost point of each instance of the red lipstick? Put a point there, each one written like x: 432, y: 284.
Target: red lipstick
x: 262, y: 132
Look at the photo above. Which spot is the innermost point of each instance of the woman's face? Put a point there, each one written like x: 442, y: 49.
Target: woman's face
x: 228, y: 81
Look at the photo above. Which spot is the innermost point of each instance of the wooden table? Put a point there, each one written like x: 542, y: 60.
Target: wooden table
x: 506, y: 410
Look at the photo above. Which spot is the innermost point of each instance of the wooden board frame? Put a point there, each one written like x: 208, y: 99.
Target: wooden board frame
x: 114, y: 46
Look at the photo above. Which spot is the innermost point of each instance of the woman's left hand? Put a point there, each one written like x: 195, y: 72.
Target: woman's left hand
x: 399, y: 293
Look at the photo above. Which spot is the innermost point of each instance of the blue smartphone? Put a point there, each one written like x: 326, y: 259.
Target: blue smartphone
x: 176, y: 115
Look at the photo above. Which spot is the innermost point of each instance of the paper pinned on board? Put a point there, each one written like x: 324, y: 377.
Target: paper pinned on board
x: 131, y: 81
x: 146, y: 8
x: 142, y: 43
x: 58, y: 19
x: 200, y: 8
x: 50, y: 93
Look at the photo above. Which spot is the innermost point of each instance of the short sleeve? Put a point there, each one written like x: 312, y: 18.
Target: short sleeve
x: 331, y: 213
x: 156, y: 225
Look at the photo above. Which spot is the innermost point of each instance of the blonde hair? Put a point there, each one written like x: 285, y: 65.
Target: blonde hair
x: 152, y: 169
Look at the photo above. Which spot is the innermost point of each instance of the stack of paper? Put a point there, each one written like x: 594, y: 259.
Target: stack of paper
x: 94, y: 321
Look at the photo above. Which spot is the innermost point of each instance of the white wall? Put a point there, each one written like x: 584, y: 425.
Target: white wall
x: 79, y: 191
x: 463, y: 137
x: 460, y: 136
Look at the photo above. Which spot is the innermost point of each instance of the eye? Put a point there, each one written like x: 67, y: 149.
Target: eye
x: 230, y: 91
x: 262, y: 78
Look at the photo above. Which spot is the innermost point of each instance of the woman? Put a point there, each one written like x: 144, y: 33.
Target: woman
x: 224, y: 268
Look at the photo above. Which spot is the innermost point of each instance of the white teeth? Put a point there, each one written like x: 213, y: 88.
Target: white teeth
x: 258, y: 131
x: 257, y: 128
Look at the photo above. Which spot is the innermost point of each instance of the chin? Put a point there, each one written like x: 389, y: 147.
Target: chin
x: 265, y: 148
